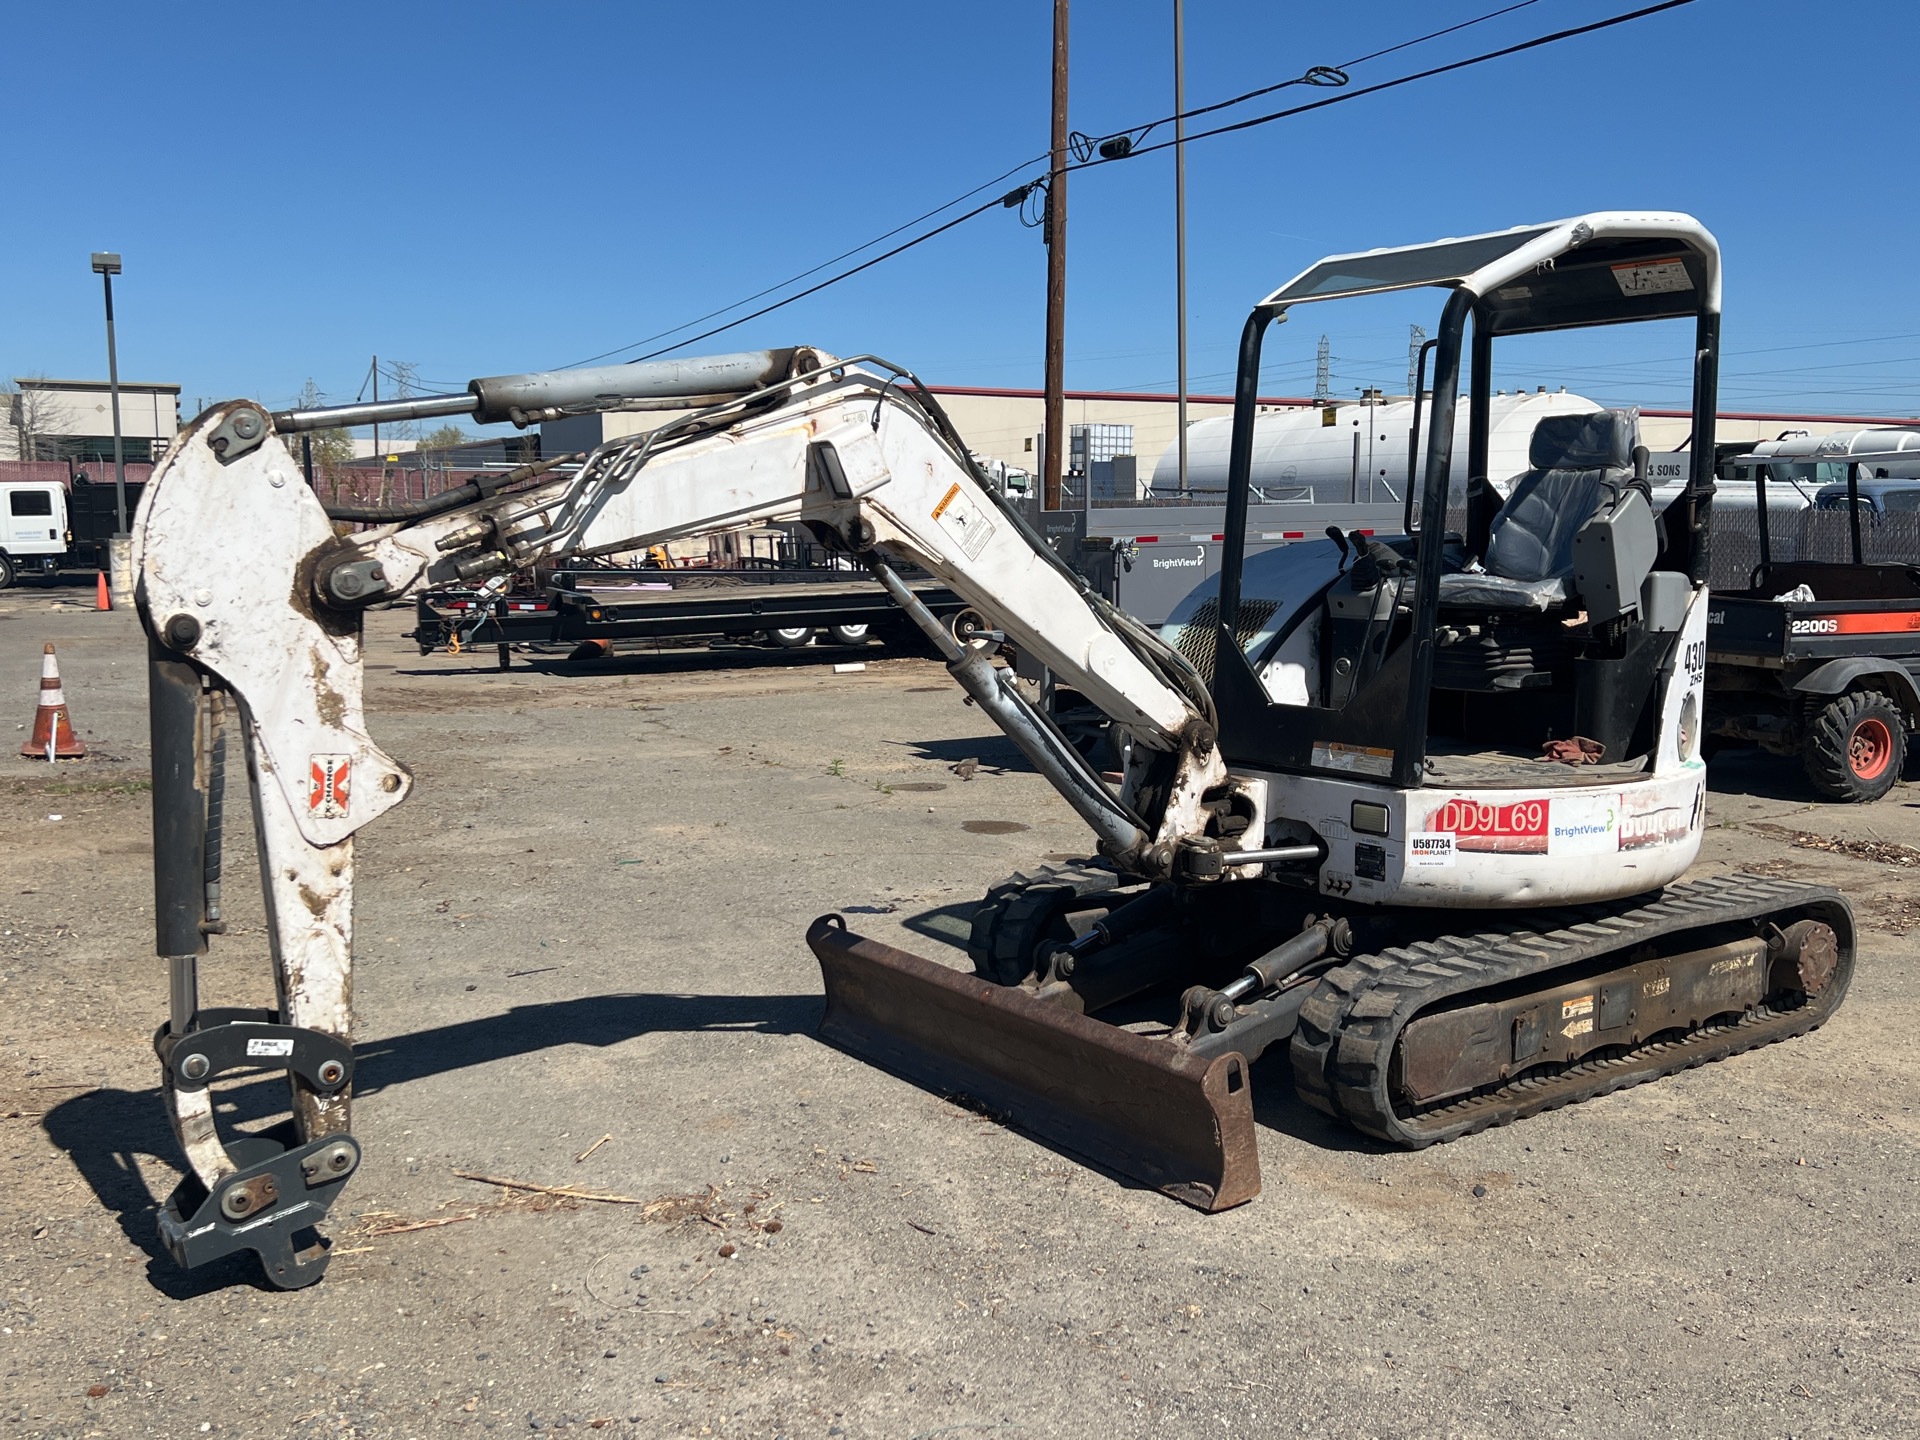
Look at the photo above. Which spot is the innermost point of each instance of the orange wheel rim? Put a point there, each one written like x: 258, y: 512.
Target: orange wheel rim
x: 1870, y: 749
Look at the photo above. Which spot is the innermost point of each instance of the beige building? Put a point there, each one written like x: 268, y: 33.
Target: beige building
x: 1008, y: 425
x: 73, y: 420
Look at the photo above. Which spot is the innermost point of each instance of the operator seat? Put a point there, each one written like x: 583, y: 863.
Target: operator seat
x: 1579, y: 463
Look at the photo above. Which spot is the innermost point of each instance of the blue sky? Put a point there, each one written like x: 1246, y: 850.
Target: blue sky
x: 487, y: 188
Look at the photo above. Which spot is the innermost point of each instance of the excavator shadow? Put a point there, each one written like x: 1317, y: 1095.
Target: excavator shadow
x: 993, y: 754
x: 597, y: 1020
x: 1277, y: 1106
x: 1751, y: 771
x: 110, y: 1134
x: 556, y: 666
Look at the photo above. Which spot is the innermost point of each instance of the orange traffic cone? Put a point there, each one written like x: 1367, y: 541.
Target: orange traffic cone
x: 53, y: 734
x: 102, y: 597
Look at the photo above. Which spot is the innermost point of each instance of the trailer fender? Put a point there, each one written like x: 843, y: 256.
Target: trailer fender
x: 1838, y: 676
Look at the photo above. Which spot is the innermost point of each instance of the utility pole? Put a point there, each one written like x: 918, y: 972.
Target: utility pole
x: 1056, y: 237
x: 1323, y: 372
x: 1180, y: 221
x: 1416, y: 335
x: 376, y: 424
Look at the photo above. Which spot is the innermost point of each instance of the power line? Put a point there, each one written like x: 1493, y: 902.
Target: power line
x: 1346, y: 95
x: 1323, y: 75
x: 1305, y: 79
x: 1436, y: 34
x: 835, y: 260
x: 816, y: 289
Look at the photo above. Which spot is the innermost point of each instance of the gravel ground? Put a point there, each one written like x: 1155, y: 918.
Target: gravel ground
x: 587, y: 924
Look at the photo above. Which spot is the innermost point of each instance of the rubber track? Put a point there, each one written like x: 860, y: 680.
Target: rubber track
x: 1349, y: 1027
x: 1020, y: 911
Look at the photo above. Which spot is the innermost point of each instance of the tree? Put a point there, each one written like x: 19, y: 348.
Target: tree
x: 38, y: 421
x: 446, y: 438
x: 332, y: 449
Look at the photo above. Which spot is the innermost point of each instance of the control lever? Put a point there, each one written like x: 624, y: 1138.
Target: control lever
x: 1377, y: 561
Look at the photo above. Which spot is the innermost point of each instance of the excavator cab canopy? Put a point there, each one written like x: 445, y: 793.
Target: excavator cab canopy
x: 1605, y: 268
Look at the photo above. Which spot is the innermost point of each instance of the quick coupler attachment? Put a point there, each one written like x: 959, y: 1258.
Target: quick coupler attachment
x: 1179, y: 1122
x: 274, y: 1193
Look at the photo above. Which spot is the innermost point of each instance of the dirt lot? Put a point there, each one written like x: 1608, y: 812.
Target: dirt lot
x: 588, y: 924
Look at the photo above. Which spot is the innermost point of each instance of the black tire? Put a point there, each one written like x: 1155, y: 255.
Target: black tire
x: 1091, y: 732
x: 1855, y: 746
x: 849, y: 634
x: 6, y: 573
x: 1025, y: 909
x: 906, y: 638
x: 792, y: 637
x: 966, y: 625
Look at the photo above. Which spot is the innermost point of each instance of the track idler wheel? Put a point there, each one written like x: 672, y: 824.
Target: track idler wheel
x: 1804, y: 956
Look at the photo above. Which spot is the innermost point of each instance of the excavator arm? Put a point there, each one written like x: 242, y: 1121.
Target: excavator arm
x: 253, y: 602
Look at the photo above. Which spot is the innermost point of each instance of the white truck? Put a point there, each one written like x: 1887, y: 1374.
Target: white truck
x: 45, y: 527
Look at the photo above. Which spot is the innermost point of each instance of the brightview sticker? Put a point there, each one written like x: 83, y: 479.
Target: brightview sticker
x: 1583, y: 824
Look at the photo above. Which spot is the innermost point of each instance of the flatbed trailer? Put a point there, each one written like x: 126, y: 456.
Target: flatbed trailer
x: 589, y: 611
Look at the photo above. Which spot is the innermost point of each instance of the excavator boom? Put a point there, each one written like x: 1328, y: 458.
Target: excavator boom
x: 261, y: 641
x: 1451, y: 929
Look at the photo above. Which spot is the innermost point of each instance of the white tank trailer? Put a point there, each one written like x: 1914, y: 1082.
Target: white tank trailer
x: 1359, y: 459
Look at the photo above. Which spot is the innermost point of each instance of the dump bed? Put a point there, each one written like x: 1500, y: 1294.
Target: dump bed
x: 1855, y: 610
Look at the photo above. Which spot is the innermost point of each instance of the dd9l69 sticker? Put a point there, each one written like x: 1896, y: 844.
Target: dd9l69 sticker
x: 1518, y: 828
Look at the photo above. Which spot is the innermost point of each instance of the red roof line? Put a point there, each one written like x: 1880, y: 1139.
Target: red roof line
x: 1769, y: 415
x: 998, y: 394
x: 992, y: 392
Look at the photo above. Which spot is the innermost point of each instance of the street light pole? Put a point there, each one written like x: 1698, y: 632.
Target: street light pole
x: 106, y: 264
x: 1180, y: 221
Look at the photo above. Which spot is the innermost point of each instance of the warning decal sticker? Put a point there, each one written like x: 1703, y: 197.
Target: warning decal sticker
x: 1362, y: 759
x: 966, y: 520
x: 1652, y: 277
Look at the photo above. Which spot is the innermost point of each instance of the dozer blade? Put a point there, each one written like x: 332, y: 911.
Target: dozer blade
x: 1140, y: 1107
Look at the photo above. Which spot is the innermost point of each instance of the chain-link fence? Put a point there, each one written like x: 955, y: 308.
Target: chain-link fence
x: 1822, y: 535
x: 1802, y: 534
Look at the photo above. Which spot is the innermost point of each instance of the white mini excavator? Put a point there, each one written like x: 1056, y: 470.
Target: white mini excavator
x: 1413, y: 807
